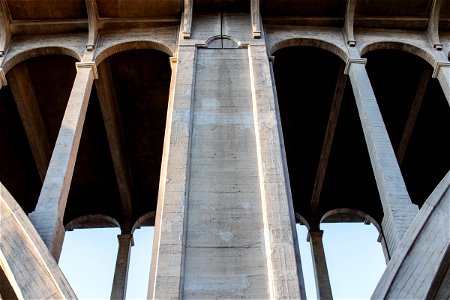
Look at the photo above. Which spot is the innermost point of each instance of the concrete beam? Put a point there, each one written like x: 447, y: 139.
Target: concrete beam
x: 93, y: 22
x: 24, y: 258
x: 348, y: 23
x: 30, y: 114
x: 433, y: 25
x: 119, y: 287
x: 442, y: 73
x: 323, y: 285
x: 5, y: 30
x: 256, y: 19
x: 187, y: 18
x: 398, y: 209
x: 111, y: 118
x: 49, y: 212
x: 329, y: 135
x: 415, y: 107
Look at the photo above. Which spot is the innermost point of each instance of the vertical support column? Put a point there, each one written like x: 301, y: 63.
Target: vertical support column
x: 323, y: 285
x: 284, y: 267
x: 398, y: 209
x: 167, y: 270
x: 49, y: 212
x: 442, y: 73
x: 119, y: 287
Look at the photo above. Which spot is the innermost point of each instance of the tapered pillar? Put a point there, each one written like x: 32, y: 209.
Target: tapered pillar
x: 442, y: 73
x: 323, y: 285
x: 49, y: 212
x: 119, y: 287
x: 397, y: 206
x: 166, y: 273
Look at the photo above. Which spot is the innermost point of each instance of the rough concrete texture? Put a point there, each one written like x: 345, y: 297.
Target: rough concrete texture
x: 225, y: 255
x: 419, y: 267
x: 24, y: 258
x: 224, y: 226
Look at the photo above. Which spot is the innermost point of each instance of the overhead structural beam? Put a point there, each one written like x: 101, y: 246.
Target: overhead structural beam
x: 5, y: 30
x: 111, y: 118
x: 329, y: 135
x: 256, y: 19
x: 433, y: 25
x: 30, y: 114
x: 93, y: 22
x: 415, y: 107
x: 348, y: 23
x: 187, y: 18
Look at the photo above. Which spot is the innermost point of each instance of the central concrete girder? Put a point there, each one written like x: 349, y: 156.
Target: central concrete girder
x: 111, y: 118
x: 329, y: 135
x: 415, y: 107
x: 30, y: 114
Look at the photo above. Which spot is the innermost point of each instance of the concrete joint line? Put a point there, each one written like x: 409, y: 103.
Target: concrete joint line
x: 351, y: 61
x: 88, y: 64
x: 438, y: 67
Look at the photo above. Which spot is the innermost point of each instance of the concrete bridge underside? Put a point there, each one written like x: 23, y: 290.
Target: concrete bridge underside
x: 223, y: 123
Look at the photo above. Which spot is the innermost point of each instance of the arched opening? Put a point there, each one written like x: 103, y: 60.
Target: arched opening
x: 87, y: 260
x: 119, y: 159
x: 416, y: 115
x: 326, y: 152
x: 355, y: 258
x: 32, y: 106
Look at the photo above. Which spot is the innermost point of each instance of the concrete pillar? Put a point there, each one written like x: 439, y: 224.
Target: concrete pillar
x: 323, y: 285
x: 398, y: 209
x: 442, y: 73
x: 283, y: 260
x: 167, y: 269
x: 119, y: 287
x: 49, y: 212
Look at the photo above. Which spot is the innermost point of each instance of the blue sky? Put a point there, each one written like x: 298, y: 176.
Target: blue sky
x: 354, y: 257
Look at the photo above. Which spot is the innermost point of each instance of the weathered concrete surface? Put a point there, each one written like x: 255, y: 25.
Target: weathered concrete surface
x: 29, y: 267
x: 119, y: 287
x: 225, y: 254
x: 418, y: 267
x: 323, y: 285
x: 49, y: 213
x: 398, y: 209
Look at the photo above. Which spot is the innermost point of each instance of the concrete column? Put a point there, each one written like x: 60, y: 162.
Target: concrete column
x: 397, y: 206
x: 323, y: 285
x: 49, y: 212
x: 442, y: 73
x: 283, y: 258
x: 119, y: 287
x: 167, y: 269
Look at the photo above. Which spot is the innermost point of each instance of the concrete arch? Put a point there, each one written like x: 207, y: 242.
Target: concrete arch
x: 302, y: 220
x: 10, y: 62
x: 131, y: 45
x: 401, y: 46
x: 144, y: 220
x: 231, y: 42
x: 351, y: 211
x: 92, y: 221
x: 311, y: 42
